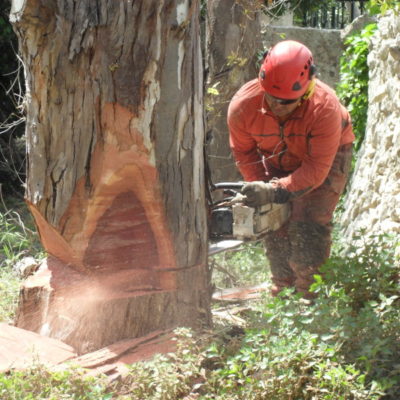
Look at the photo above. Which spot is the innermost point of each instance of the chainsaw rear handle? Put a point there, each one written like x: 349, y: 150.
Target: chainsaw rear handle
x: 228, y: 185
x: 229, y: 189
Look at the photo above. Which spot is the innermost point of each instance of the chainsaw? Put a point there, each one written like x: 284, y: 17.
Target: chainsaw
x: 231, y: 219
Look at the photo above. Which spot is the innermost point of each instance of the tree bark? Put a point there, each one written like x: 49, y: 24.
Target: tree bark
x: 115, y: 167
x: 233, y: 40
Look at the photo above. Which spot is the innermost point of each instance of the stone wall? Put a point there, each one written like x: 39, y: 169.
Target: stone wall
x: 373, y: 200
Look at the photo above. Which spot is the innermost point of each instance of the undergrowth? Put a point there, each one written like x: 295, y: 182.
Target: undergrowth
x: 38, y: 382
x: 243, y: 266
x: 18, y: 239
x: 343, y: 346
x: 9, y: 289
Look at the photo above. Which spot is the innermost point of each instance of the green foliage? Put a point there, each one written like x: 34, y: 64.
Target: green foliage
x: 17, y: 240
x: 382, y: 6
x: 353, y: 86
x: 244, y: 266
x: 291, y: 366
x: 13, y: 241
x: 344, y: 346
x: 166, y: 377
x: 38, y: 382
x: 368, y: 274
x: 9, y: 289
x: 369, y: 319
x: 18, y: 237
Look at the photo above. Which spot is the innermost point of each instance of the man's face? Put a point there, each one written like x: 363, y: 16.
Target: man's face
x: 281, y: 107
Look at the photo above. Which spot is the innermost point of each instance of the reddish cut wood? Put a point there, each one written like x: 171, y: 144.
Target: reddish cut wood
x: 20, y: 348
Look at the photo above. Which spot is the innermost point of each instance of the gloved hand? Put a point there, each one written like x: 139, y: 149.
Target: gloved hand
x: 258, y: 193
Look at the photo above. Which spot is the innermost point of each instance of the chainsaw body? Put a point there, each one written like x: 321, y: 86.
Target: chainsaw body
x: 231, y: 219
x: 252, y: 223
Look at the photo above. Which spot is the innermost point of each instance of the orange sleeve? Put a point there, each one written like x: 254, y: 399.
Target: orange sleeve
x: 325, y: 137
x: 243, y: 146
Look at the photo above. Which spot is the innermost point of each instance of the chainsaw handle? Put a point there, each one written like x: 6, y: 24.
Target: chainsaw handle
x: 228, y: 185
x: 229, y: 189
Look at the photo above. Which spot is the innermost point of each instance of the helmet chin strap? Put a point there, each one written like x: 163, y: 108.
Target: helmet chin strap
x: 310, y: 90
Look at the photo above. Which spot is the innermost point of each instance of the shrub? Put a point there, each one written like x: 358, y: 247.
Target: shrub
x: 353, y: 87
x: 343, y: 346
x: 39, y: 382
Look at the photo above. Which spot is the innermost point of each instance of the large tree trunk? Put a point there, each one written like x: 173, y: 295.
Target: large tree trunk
x: 233, y: 43
x: 115, y: 167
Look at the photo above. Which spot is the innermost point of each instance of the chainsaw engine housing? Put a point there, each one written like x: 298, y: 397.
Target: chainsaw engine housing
x: 221, y: 222
x: 232, y: 220
x: 252, y: 223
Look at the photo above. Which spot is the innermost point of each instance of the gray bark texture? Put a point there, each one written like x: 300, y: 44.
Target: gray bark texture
x: 233, y: 39
x: 115, y: 167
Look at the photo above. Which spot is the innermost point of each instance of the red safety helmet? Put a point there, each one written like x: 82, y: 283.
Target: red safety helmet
x: 287, y: 70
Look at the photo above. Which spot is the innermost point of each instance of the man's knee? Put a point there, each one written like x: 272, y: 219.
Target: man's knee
x: 276, y: 245
x: 310, y: 246
x: 310, y: 243
x: 277, y: 249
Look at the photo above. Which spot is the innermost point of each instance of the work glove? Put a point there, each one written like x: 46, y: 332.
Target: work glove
x: 258, y: 193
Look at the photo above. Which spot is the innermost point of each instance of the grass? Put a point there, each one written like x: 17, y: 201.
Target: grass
x: 18, y: 237
x: 17, y: 240
x: 9, y: 289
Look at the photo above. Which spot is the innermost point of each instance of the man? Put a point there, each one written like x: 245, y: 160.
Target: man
x: 292, y: 141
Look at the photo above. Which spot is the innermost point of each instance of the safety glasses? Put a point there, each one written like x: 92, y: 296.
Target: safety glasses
x: 283, y: 102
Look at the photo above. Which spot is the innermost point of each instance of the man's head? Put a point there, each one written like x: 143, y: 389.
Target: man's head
x: 287, y: 71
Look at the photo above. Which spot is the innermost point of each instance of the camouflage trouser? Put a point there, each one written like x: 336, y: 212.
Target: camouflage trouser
x: 301, y: 246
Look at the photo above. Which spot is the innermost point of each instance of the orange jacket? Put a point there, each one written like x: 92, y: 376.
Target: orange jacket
x: 303, y: 147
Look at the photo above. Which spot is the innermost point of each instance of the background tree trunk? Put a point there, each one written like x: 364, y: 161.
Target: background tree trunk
x: 233, y: 41
x: 115, y: 167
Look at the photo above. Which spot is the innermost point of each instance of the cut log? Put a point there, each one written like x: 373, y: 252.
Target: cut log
x: 20, y: 349
x: 241, y: 293
x: 126, y: 350
x: 113, y: 360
